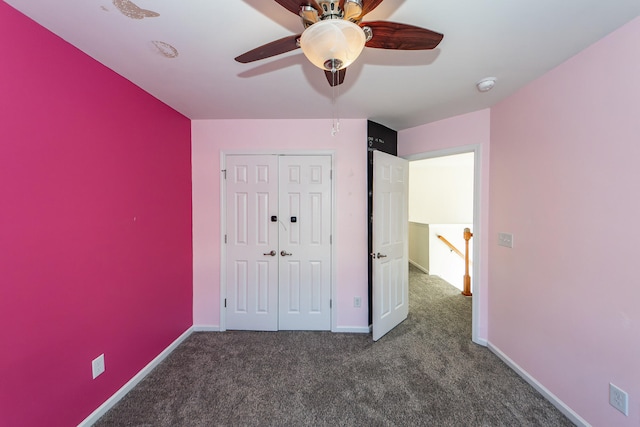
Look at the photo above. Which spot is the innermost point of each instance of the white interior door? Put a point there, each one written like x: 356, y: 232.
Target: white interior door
x: 278, y: 250
x: 390, y: 243
x: 252, y: 243
x: 305, y: 248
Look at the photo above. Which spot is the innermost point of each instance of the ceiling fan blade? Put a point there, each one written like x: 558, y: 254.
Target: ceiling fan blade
x: 294, y: 5
x: 268, y: 50
x: 392, y: 35
x: 369, y: 5
x: 336, y: 78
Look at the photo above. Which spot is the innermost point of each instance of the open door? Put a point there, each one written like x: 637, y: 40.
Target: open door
x: 390, y: 243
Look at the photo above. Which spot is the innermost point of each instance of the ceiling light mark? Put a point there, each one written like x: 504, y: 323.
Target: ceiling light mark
x: 131, y: 10
x: 165, y: 49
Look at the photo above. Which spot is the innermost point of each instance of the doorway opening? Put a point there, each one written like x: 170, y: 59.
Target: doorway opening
x: 470, y: 158
x: 440, y: 209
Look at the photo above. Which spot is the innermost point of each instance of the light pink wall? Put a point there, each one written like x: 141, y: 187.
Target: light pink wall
x: 95, y: 227
x: 452, y: 134
x: 210, y: 137
x: 565, y: 181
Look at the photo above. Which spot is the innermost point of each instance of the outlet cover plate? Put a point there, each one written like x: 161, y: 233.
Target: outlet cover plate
x: 619, y: 399
x: 97, y: 366
x: 357, y: 302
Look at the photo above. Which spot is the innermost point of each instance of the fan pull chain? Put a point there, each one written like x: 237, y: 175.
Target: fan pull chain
x: 335, y: 114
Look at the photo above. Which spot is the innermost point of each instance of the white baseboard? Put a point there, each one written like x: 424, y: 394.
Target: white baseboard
x: 109, y: 403
x: 419, y: 267
x: 555, y: 401
x: 352, y: 329
x: 339, y: 329
x: 206, y: 328
x: 481, y: 341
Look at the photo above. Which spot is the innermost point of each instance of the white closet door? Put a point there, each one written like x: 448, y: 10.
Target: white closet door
x: 305, y: 247
x: 252, y: 243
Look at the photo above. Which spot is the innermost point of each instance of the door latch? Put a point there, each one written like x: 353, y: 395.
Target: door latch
x: 285, y: 253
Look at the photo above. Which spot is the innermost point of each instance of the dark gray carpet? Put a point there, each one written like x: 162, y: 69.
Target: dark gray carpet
x: 425, y: 372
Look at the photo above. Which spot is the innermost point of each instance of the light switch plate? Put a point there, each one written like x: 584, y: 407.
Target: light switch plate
x: 505, y: 239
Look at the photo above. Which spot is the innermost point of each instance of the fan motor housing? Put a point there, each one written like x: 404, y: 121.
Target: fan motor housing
x: 330, y: 9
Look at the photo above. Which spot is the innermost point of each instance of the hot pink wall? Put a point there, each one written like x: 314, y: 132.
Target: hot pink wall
x: 210, y: 137
x: 456, y: 133
x: 95, y: 227
x: 565, y: 181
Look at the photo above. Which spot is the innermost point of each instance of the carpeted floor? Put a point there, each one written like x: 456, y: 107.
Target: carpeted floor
x: 426, y: 372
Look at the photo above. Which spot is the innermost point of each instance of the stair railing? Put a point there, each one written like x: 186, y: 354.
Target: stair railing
x: 466, y: 280
x: 453, y: 248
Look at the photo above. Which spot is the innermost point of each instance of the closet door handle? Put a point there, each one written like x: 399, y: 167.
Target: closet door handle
x: 381, y: 255
x: 272, y: 253
x: 285, y: 253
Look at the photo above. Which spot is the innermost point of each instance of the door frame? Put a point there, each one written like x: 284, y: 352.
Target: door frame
x: 478, y: 236
x: 223, y: 223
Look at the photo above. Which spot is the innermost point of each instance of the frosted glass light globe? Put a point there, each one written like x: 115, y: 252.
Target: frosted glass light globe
x: 332, y: 43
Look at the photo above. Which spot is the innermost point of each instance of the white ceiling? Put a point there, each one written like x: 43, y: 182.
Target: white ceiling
x: 513, y: 40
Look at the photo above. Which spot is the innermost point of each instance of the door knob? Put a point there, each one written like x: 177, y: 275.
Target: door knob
x: 272, y: 253
x: 381, y: 255
x: 285, y: 253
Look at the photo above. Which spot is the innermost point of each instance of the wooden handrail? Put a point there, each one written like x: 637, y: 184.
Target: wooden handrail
x: 466, y: 289
x: 453, y: 248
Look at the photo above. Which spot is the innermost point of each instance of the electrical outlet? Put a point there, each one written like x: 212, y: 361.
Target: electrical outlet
x: 97, y: 366
x: 505, y: 239
x: 619, y: 399
x: 357, y: 302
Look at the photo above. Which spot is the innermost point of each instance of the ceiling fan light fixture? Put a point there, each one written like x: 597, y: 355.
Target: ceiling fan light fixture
x: 332, y: 44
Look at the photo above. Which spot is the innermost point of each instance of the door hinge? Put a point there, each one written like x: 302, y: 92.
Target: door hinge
x: 330, y: 303
x: 225, y: 303
x: 224, y: 172
x: 331, y: 174
x: 225, y: 239
x: 331, y: 239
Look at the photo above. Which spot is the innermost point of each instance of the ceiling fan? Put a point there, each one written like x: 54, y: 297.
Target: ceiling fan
x: 335, y: 35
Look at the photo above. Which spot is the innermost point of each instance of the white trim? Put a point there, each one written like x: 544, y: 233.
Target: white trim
x: 278, y: 152
x: 352, y: 330
x: 555, y: 401
x: 223, y: 248
x: 478, y: 287
x: 334, y: 246
x: 481, y: 341
x: 206, y: 328
x: 115, y: 398
x: 419, y: 267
